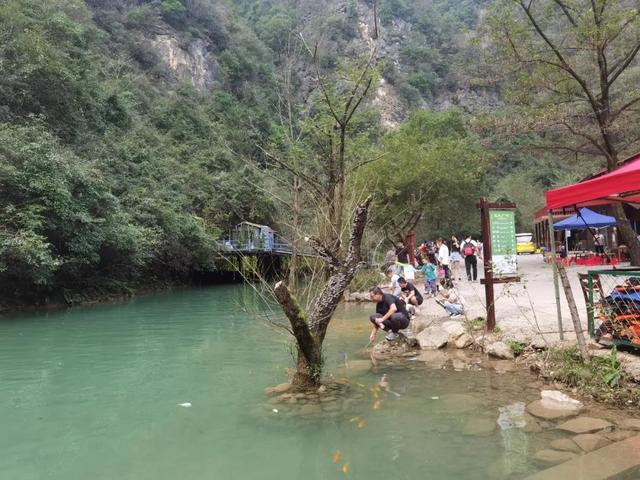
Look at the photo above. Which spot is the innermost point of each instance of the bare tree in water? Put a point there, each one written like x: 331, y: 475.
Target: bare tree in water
x: 326, y: 183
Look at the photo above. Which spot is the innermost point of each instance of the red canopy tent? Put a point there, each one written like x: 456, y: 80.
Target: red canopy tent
x: 621, y: 185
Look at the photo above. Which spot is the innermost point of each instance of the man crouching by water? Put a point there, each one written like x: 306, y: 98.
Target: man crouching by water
x: 391, y: 314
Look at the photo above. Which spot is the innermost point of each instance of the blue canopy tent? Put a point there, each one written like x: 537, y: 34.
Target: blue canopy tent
x: 584, y: 219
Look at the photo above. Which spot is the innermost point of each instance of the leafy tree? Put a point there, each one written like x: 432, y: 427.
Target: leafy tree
x: 573, y: 72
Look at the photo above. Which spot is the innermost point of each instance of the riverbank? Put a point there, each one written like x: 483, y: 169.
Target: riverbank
x: 527, y: 332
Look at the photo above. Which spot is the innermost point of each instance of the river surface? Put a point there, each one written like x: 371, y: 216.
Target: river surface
x: 94, y: 393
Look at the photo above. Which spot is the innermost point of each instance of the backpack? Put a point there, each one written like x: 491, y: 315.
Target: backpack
x: 468, y: 248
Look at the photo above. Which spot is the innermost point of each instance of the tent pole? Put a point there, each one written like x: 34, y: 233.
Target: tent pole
x: 556, y: 284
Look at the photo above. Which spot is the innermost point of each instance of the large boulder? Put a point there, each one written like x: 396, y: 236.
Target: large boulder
x: 463, y: 341
x: 433, y: 338
x: 454, y: 329
x: 418, y: 324
x: 500, y: 350
x: 585, y: 425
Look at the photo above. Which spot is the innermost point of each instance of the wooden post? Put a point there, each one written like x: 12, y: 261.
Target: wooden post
x: 556, y: 285
x: 488, y: 266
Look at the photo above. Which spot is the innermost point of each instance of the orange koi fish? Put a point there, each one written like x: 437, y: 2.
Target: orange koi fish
x: 346, y: 468
x: 336, y: 456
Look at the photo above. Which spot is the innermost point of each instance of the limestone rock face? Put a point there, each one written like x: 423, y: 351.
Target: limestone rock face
x: 433, y: 338
x: 590, y: 442
x: 585, y: 425
x: 499, y: 350
x: 553, y: 457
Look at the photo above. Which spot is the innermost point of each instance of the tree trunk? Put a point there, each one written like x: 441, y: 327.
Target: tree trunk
x: 293, y: 263
x: 627, y: 234
x: 309, y: 334
x: 575, y: 317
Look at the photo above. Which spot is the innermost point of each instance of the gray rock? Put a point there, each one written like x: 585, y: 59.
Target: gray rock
x: 464, y: 341
x: 553, y: 457
x: 565, y: 445
x: 500, y: 350
x: 409, y: 337
x: 590, y: 442
x: 630, y: 424
x: 435, y: 359
x: 433, y: 338
x: 454, y: 329
x: 585, y: 425
x: 541, y: 409
x: 418, y: 324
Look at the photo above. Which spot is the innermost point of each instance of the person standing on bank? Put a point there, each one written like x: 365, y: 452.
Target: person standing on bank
x: 599, y: 242
x: 456, y: 258
x: 443, y: 258
x: 402, y: 254
x: 391, y: 314
x: 470, y: 252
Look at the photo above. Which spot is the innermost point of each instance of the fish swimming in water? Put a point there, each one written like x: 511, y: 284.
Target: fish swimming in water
x: 336, y: 456
x: 185, y: 404
x: 346, y: 468
x: 376, y: 405
x: 361, y: 423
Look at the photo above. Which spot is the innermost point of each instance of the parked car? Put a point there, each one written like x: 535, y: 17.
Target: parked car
x: 524, y: 243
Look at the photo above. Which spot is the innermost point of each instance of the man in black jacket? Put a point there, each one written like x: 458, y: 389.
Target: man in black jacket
x: 391, y: 314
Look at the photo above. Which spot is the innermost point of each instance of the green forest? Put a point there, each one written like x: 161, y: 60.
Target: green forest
x: 134, y: 134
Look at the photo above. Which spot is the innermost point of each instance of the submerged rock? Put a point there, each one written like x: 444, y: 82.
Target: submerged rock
x: 590, y: 442
x: 479, y: 427
x: 585, y: 425
x: 282, y: 388
x: 355, y: 368
x: 433, y: 338
x: 565, y: 445
x: 553, y: 457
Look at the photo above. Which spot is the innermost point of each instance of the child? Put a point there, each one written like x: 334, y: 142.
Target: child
x: 429, y: 271
x: 453, y: 302
x: 395, y: 286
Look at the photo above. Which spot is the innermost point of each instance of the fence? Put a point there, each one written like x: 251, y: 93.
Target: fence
x: 613, y: 305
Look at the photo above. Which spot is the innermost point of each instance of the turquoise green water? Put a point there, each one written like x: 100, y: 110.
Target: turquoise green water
x: 92, y: 393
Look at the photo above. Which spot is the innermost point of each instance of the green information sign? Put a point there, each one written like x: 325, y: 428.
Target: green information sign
x: 503, y: 242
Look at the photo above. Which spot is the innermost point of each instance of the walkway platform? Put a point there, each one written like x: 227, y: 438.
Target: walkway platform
x: 614, y: 461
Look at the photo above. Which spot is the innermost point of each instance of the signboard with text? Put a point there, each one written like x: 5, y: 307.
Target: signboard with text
x: 503, y: 242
